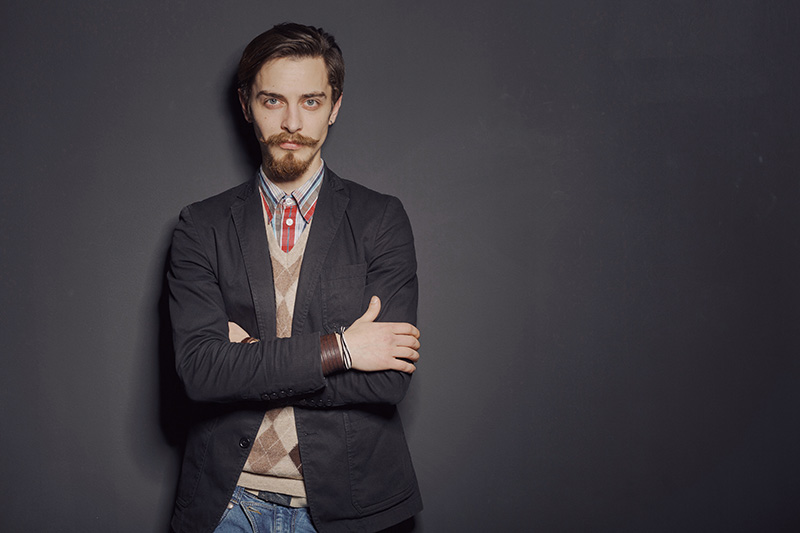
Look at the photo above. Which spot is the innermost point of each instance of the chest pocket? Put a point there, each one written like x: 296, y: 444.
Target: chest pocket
x: 343, y: 294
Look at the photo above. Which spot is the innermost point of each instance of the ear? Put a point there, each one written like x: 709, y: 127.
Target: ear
x: 335, y: 111
x: 245, y: 106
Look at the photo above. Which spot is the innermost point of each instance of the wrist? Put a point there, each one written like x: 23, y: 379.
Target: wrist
x: 331, y: 354
x: 348, y: 360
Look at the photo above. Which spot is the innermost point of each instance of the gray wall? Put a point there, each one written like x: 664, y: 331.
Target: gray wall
x: 606, y: 202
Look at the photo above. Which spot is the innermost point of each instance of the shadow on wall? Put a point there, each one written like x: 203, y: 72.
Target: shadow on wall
x: 176, y: 412
x: 241, y: 130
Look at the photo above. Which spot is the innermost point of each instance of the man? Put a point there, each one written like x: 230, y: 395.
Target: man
x: 293, y: 298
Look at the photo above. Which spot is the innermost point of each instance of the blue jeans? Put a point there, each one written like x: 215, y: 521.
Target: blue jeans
x: 248, y: 514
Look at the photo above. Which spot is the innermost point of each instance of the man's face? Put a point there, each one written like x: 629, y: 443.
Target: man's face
x: 291, y: 110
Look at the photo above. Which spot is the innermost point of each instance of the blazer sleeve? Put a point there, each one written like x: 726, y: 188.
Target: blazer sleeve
x: 210, y: 367
x: 392, y: 276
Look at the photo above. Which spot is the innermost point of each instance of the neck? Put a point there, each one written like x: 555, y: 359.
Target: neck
x: 289, y: 186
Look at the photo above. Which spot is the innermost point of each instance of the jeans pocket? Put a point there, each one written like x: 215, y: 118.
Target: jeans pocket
x: 233, y: 519
x: 224, y: 525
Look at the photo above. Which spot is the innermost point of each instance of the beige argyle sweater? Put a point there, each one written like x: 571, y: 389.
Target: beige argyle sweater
x: 274, y: 462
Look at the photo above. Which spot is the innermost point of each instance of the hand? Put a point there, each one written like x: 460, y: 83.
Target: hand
x: 236, y: 333
x: 382, y: 345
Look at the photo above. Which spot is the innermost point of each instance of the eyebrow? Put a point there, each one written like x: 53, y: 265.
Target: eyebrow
x: 268, y: 94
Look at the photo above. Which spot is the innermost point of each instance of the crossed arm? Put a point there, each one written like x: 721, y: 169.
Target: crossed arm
x: 373, y: 346
x: 213, y: 368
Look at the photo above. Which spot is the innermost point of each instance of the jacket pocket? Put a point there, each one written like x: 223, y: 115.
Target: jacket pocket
x: 381, y: 474
x: 343, y: 294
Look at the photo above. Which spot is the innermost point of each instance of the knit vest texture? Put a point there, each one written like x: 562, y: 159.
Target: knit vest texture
x: 274, y: 463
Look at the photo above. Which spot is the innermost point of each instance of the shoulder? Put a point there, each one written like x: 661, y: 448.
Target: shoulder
x: 375, y: 213
x: 219, y: 206
x: 361, y: 197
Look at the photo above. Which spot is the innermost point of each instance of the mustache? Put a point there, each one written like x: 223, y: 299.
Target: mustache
x: 284, y: 137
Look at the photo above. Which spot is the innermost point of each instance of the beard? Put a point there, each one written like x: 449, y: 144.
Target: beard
x: 287, y: 168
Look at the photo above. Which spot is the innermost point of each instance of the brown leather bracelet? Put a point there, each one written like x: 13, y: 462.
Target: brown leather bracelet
x: 332, y: 360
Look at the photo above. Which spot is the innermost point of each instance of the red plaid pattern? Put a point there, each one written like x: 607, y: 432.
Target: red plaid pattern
x: 290, y: 214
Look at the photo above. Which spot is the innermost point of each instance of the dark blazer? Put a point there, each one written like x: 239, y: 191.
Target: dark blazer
x: 356, y: 464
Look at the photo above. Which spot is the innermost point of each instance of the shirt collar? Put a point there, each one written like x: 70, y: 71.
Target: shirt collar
x: 304, y: 196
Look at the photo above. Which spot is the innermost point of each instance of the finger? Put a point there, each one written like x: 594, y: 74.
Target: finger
x: 236, y: 333
x: 403, y: 328
x: 407, y: 341
x: 409, y: 354
x: 403, y: 366
x: 373, y: 309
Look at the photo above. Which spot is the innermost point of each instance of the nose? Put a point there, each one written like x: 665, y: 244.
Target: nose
x: 291, y: 119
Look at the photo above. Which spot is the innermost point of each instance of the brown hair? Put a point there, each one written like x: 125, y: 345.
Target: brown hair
x: 291, y: 40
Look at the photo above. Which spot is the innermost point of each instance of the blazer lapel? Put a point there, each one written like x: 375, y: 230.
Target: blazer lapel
x: 248, y: 219
x: 328, y: 214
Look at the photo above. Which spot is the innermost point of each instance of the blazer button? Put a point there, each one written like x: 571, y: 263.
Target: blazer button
x: 244, y: 442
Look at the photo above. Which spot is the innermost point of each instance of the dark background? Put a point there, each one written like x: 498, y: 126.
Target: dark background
x: 606, y: 202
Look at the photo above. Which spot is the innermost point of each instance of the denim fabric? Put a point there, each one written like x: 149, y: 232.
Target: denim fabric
x: 248, y: 514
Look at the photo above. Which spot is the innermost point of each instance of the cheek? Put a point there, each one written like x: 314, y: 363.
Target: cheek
x: 258, y: 132
x: 321, y: 129
x: 264, y: 120
x: 262, y: 127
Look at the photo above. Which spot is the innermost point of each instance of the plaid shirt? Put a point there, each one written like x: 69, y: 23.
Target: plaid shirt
x: 289, y: 214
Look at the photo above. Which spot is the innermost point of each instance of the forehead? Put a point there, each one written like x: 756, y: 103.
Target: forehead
x: 291, y: 75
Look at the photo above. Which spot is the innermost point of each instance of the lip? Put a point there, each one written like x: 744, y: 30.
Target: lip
x: 290, y: 146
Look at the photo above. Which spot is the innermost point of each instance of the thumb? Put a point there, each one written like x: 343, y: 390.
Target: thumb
x: 372, y: 311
